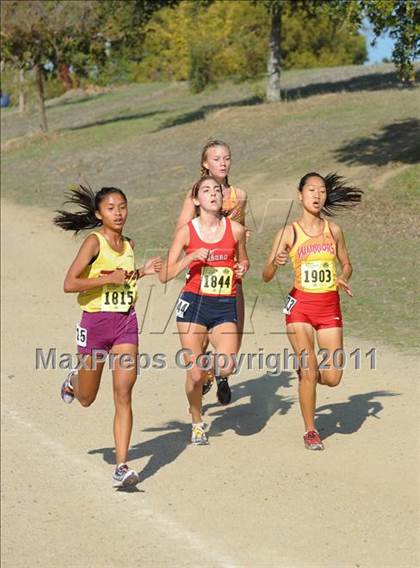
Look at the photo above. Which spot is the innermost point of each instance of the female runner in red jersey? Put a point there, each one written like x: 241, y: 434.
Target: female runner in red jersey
x: 313, y: 244
x: 215, y: 254
x: 216, y: 161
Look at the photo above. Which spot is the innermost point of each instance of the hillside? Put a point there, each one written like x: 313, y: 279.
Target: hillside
x: 147, y: 139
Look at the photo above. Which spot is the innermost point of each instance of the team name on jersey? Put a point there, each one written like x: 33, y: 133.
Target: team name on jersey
x: 215, y: 257
x: 306, y: 250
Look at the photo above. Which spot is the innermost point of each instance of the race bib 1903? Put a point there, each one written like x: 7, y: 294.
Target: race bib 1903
x: 216, y: 280
x: 317, y: 275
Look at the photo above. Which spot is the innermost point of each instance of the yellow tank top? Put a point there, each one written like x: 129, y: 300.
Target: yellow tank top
x: 110, y: 297
x: 230, y: 204
x: 313, y: 260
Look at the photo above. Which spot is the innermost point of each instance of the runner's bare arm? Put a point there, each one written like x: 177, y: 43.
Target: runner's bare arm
x: 278, y: 256
x: 343, y: 258
x: 151, y: 266
x: 187, y: 212
x: 88, y: 250
x: 242, y: 265
x: 173, y: 264
x: 238, y: 214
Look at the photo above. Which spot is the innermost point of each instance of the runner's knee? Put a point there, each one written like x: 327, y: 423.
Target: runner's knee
x: 309, y: 375
x: 331, y: 378
x: 122, y: 397
x: 86, y: 401
x: 196, y: 375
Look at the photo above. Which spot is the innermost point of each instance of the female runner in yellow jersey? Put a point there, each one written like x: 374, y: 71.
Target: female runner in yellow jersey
x: 313, y: 244
x: 216, y: 162
x: 105, y: 276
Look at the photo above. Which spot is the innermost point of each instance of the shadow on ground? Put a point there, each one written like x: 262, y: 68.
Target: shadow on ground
x: 245, y: 419
x: 123, y: 118
x: 397, y: 142
x: 371, y: 82
x: 348, y: 417
x: 200, y: 113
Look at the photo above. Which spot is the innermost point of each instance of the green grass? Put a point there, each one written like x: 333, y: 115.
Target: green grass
x: 147, y: 139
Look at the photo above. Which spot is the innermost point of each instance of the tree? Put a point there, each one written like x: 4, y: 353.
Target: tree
x: 36, y: 32
x: 230, y: 39
x: 274, y: 52
x: 401, y: 19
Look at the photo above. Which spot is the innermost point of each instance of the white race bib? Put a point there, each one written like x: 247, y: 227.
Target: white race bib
x: 317, y: 275
x: 216, y: 280
x: 117, y: 298
x: 181, y: 308
x: 81, y: 336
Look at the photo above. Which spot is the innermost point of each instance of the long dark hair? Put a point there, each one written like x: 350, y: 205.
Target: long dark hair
x: 340, y: 195
x: 88, y: 201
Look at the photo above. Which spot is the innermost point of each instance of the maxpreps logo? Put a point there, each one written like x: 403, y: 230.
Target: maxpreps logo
x: 317, y: 248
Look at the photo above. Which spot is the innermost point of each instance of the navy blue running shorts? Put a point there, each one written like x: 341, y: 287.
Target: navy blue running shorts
x: 205, y: 310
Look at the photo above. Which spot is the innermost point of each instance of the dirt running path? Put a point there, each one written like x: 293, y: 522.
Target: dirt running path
x: 254, y: 497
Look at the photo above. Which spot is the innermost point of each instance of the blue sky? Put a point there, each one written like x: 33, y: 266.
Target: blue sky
x: 383, y: 47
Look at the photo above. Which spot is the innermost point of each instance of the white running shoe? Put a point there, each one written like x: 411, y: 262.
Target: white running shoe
x: 125, y: 477
x: 67, y: 392
x: 198, y: 435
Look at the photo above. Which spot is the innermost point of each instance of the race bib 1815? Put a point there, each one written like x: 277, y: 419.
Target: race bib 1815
x: 117, y: 298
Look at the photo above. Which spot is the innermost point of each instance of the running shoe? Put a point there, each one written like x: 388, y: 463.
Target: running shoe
x: 224, y: 394
x: 198, y: 435
x: 125, y: 477
x: 313, y: 441
x: 67, y: 392
x: 207, y: 386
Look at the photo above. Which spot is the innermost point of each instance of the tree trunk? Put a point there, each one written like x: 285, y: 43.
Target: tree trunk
x: 274, y: 56
x: 22, y: 98
x: 39, y: 80
x: 64, y: 76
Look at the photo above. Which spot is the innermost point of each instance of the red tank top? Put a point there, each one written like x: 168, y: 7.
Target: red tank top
x: 215, y: 276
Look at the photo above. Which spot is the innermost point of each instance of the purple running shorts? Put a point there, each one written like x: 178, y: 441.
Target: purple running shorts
x: 103, y: 330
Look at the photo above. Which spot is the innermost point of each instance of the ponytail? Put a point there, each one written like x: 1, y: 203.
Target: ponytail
x: 339, y: 195
x: 88, y: 201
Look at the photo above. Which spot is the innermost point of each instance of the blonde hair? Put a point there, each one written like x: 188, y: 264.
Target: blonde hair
x: 211, y: 144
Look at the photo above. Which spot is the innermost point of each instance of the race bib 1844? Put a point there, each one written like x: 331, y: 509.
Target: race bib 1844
x: 216, y: 280
x: 317, y: 275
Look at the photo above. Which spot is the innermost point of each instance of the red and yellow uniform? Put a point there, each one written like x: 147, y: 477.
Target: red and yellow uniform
x: 314, y: 298
x: 231, y: 207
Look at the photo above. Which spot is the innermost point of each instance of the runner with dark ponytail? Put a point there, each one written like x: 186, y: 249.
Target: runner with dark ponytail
x: 339, y: 195
x: 105, y: 276
x: 89, y: 202
x: 312, y: 308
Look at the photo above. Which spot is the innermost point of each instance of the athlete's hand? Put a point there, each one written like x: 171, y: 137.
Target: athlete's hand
x: 200, y: 254
x: 241, y: 268
x: 116, y: 277
x: 151, y: 266
x: 281, y: 258
x: 343, y: 285
x: 248, y: 233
